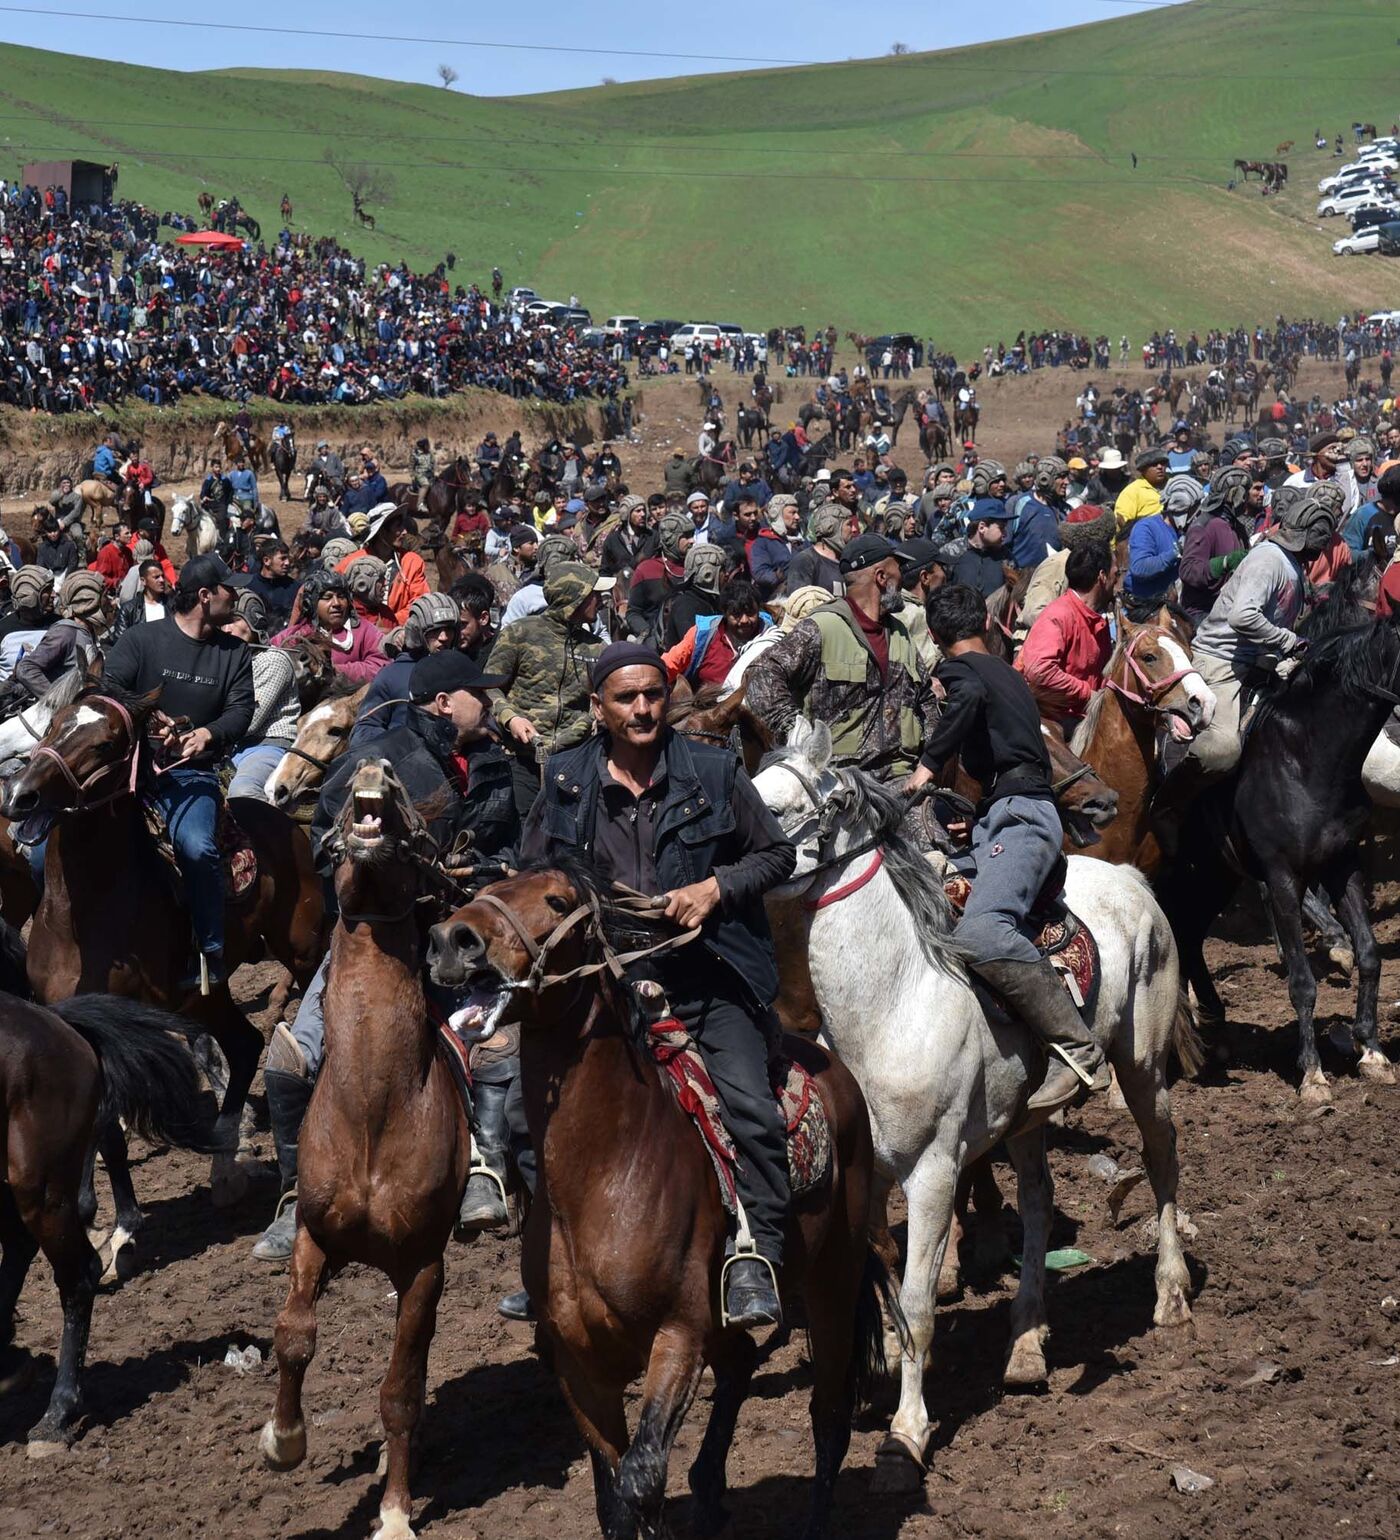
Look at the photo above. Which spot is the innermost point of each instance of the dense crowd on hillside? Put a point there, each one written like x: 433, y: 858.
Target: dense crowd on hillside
x: 95, y: 309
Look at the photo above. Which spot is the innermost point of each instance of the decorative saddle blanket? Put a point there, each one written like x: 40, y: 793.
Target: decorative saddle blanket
x: 808, y: 1133
x: 240, y: 860
x: 1063, y: 939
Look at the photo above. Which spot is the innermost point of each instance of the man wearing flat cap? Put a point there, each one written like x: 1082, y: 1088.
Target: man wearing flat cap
x: 674, y: 818
x: 853, y: 665
x: 1142, y: 497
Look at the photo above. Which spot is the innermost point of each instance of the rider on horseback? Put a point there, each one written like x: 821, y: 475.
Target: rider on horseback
x: 992, y: 720
x: 672, y: 818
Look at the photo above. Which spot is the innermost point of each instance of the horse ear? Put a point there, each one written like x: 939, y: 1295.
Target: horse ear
x: 92, y: 673
x: 819, y: 746
x: 148, y: 702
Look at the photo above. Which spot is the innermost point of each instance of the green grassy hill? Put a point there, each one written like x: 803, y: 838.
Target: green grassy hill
x: 960, y: 195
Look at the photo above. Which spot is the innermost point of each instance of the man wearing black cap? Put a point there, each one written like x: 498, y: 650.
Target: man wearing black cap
x: 920, y: 574
x: 445, y: 758
x: 853, y: 665
x: 672, y: 817
x: 206, y: 703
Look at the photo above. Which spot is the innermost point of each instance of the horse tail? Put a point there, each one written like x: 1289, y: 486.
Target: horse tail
x: 1186, y: 1039
x: 14, y: 962
x: 876, y: 1299
x: 149, y: 1079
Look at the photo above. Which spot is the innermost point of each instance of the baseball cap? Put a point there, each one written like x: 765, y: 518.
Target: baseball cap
x: 442, y: 673
x: 915, y: 555
x: 866, y: 551
x: 206, y: 571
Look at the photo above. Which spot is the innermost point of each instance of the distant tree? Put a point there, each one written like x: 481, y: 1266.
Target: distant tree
x: 899, y: 48
x: 609, y: 80
x: 447, y: 75
x: 364, y: 183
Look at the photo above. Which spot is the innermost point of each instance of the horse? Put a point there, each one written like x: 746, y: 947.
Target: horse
x: 708, y: 471
x: 384, y: 1151
x: 965, y: 420
x: 1150, y: 688
x: 944, y: 1072
x: 286, y: 220
x: 447, y: 489
x: 229, y: 445
x: 323, y: 735
x: 1284, y: 148
x: 1294, y: 814
x: 199, y: 527
x: 244, y: 221
x: 313, y: 670
x: 99, y: 498
x: 284, y: 462
x: 752, y: 424
x: 899, y: 409
x: 206, y: 203
x: 111, y: 919
x: 67, y: 1072
x: 625, y: 1242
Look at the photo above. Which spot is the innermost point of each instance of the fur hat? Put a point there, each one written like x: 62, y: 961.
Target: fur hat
x: 1089, y: 523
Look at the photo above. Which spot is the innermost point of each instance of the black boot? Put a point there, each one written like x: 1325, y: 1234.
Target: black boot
x: 288, y: 1096
x: 483, y: 1202
x: 1033, y: 993
x: 749, y: 1296
x: 516, y: 1307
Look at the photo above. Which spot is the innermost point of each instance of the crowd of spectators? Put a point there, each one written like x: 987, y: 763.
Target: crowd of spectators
x: 96, y: 308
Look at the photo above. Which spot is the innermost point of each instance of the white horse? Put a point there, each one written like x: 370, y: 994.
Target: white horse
x: 944, y: 1071
x: 19, y: 733
x: 184, y: 512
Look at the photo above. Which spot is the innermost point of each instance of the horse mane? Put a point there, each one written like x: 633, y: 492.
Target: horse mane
x: 67, y: 688
x: 1352, y: 662
x: 1342, y: 608
x: 341, y: 687
x: 621, y: 929
x: 1083, y: 735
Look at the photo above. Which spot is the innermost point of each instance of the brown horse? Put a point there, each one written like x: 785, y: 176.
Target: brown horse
x: 19, y: 897
x: 323, y: 735
x: 112, y: 921
x: 230, y: 445
x: 1149, y: 686
x: 66, y: 1072
x: 715, y: 719
x: 625, y: 1241
x: 384, y: 1150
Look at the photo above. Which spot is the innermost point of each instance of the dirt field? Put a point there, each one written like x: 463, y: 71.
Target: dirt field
x: 1294, y: 1258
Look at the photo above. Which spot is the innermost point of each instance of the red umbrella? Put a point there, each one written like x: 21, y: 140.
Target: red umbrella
x: 212, y: 238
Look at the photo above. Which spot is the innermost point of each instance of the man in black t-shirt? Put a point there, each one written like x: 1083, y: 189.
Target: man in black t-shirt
x: 992, y: 720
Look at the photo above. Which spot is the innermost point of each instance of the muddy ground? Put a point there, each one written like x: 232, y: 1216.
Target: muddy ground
x: 1294, y: 1258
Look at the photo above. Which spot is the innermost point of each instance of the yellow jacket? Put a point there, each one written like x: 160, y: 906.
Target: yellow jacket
x: 1138, y: 500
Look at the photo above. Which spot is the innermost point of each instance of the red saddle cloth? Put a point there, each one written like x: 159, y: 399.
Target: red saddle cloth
x: 808, y: 1133
x: 240, y: 860
x: 1063, y: 939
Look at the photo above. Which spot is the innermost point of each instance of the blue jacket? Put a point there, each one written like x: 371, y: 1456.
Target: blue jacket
x: 1354, y: 530
x: 1037, y: 534
x: 104, y: 462
x: 705, y: 628
x: 1153, y: 557
x: 390, y: 683
x: 758, y: 487
x: 769, y: 556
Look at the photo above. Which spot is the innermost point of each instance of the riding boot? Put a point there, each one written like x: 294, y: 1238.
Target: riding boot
x: 288, y: 1096
x: 749, y: 1296
x: 1033, y: 993
x: 483, y: 1202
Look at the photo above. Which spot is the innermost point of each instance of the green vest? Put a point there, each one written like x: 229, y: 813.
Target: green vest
x: 846, y: 660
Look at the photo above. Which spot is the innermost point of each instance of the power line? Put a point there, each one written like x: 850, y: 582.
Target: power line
x: 929, y: 61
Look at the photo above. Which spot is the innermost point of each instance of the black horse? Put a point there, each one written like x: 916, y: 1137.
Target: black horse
x: 1293, y: 814
x: 284, y: 462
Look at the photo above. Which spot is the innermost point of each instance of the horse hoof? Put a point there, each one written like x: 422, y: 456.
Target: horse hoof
x: 1314, y: 1091
x: 283, y: 1451
x: 228, y: 1186
x: 899, y: 1466
x: 1376, y: 1068
x: 46, y: 1448
x: 1342, y: 958
x: 1172, y: 1308
x: 393, y: 1525
x: 1025, y: 1365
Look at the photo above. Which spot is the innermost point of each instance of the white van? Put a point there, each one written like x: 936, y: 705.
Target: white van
x: 695, y: 331
x: 620, y: 325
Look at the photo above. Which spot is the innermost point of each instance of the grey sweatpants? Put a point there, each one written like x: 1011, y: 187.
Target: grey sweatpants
x: 1216, y: 749
x: 1015, y: 845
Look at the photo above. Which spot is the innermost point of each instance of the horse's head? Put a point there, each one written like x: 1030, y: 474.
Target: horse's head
x: 1086, y: 804
x: 313, y: 669
x: 809, y: 800
x: 181, y: 509
x: 377, y: 844
x: 1151, y: 670
x: 323, y: 735
x: 88, y: 756
x: 510, y: 938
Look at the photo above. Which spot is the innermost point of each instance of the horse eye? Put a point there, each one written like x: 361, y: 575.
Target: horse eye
x: 557, y: 904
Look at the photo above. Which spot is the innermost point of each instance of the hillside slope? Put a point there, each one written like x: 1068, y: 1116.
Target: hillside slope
x: 961, y: 194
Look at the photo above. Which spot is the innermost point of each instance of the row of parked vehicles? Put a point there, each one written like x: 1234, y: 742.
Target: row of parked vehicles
x: 1365, y: 193
x: 676, y: 334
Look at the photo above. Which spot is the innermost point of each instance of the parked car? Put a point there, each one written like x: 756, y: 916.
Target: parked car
x: 1352, y: 198
x: 1390, y: 247
x: 696, y: 331
x: 908, y: 340
x: 574, y: 315
x: 732, y: 332
x: 540, y: 309
x: 1361, y: 241
x: 659, y: 331
x: 595, y: 337
x: 1373, y: 214
x: 1372, y: 171
x: 519, y: 297
x: 622, y: 325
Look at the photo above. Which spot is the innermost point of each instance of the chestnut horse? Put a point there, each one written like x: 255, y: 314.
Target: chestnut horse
x: 625, y: 1240
x: 385, y: 1147
x: 323, y: 735
x: 111, y: 921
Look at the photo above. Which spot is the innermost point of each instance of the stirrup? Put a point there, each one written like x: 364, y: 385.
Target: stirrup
x: 496, y: 1177
x: 1085, y: 1078
x: 744, y: 1250
x: 290, y: 1196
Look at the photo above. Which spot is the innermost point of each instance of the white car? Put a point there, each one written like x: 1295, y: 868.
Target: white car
x: 539, y: 309
x: 520, y: 297
x: 1350, y: 175
x: 694, y: 331
x: 1353, y: 198
x: 1354, y: 245
x: 620, y: 325
x: 1384, y: 318
x: 1378, y: 150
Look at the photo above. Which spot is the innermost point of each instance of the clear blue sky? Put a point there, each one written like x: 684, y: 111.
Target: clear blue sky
x: 818, y: 30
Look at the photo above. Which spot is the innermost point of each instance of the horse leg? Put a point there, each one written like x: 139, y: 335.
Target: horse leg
x: 241, y: 1043
x: 18, y: 1249
x: 990, y: 1249
x: 112, y: 1142
x: 598, y: 1411
x: 404, y: 1389
x: 1144, y: 1087
x: 673, y: 1376
x: 283, y: 1438
x: 733, y: 1362
x: 53, y: 1221
x: 1324, y: 922
x: 1285, y: 896
x: 929, y: 1192
x: 1035, y: 1191
x: 1348, y: 893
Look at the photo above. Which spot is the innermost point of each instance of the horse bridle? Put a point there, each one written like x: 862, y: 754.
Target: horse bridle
x: 1150, y: 692
x: 130, y: 760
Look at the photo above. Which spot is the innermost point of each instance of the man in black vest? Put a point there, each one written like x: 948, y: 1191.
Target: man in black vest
x: 668, y: 816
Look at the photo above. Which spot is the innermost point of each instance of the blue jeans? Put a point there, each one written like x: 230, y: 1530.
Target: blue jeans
x: 251, y: 768
x: 188, y: 796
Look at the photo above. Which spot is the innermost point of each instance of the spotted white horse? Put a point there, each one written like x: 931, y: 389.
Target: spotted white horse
x: 944, y: 1072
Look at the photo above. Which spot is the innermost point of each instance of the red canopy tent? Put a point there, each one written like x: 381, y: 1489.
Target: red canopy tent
x: 215, y: 239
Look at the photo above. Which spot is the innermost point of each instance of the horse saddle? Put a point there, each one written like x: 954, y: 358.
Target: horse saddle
x: 1060, y: 936
x: 236, y: 853
x: 794, y: 1090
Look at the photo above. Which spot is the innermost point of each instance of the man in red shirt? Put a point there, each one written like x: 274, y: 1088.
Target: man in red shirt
x: 706, y: 652
x: 114, y: 558
x: 1068, y: 647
